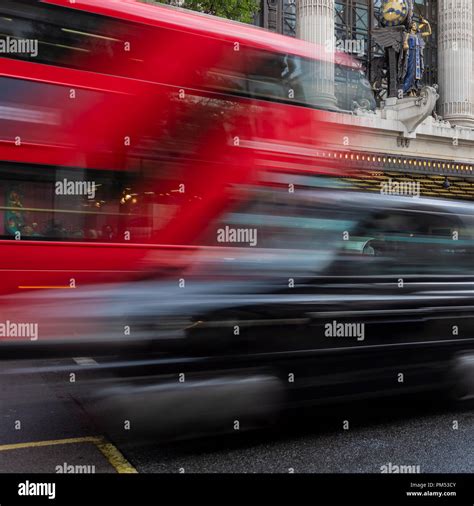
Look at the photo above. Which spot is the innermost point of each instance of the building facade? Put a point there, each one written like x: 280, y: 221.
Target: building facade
x: 278, y: 16
x: 449, y: 52
x: 441, y: 148
x: 353, y: 20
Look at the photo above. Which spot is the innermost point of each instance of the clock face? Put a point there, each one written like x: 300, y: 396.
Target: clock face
x: 394, y: 12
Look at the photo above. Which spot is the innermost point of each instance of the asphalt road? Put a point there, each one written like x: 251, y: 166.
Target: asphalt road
x: 407, y: 438
x: 57, y: 429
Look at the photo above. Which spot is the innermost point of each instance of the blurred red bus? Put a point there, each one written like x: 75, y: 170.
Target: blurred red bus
x: 123, y: 125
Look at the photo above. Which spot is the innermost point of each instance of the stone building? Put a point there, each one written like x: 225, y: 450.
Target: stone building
x: 438, y: 148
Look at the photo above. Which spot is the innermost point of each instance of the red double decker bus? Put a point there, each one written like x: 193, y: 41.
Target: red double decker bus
x: 123, y: 127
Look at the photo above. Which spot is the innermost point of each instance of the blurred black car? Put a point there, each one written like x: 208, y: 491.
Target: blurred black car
x: 343, y: 295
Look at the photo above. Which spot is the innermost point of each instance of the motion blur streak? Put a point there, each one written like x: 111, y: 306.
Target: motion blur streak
x: 213, y: 256
x: 158, y: 110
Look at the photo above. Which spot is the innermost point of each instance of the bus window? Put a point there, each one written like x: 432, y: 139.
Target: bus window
x: 350, y: 86
x: 57, y: 203
x: 263, y: 75
x: 82, y: 41
x: 61, y: 38
x: 265, y: 71
x: 95, y: 43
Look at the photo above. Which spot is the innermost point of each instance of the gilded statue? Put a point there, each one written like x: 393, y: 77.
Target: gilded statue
x: 413, y: 65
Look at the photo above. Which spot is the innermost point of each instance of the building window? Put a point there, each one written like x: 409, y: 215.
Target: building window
x: 289, y: 18
x: 353, y: 22
x: 278, y: 16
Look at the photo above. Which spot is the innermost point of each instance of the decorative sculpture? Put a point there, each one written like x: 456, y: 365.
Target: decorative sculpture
x: 402, y: 40
x: 402, y: 65
x: 413, y: 58
x: 396, y: 12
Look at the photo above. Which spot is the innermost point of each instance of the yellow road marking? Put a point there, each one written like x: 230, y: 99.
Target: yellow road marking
x: 115, y: 457
x: 110, y: 452
x: 35, y: 444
